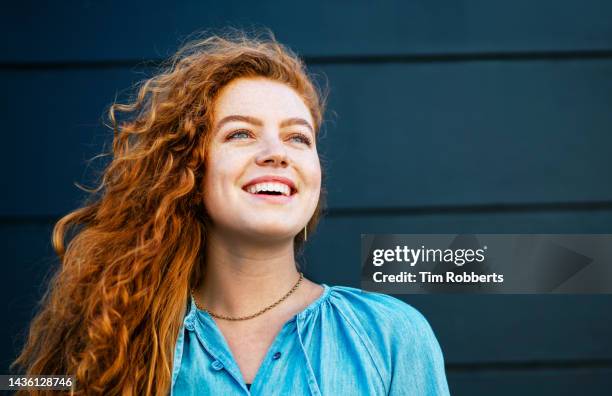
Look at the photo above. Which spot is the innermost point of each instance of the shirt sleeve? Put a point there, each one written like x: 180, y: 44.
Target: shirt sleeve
x: 417, y: 363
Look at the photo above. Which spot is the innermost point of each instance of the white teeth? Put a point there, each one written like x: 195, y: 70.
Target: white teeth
x: 278, y: 187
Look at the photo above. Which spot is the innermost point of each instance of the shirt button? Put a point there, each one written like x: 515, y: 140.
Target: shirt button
x: 189, y: 325
x: 217, y: 365
x: 276, y: 356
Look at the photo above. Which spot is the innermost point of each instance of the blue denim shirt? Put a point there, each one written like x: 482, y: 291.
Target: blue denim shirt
x: 347, y: 342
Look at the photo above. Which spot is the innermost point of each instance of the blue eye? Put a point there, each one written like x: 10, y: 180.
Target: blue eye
x: 300, y: 138
x: 242, y: 134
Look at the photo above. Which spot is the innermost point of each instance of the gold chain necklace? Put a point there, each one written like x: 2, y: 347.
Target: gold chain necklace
x: 269, y: 307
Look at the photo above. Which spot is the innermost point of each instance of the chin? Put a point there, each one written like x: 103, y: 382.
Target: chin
x: 274, y: 231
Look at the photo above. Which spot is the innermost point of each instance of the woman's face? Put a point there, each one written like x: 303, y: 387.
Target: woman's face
x: 263, y: 177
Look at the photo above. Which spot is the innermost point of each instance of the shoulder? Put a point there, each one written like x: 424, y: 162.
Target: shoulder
x: 400, y: 341
x: 386, y: 324
x: 379, y: 311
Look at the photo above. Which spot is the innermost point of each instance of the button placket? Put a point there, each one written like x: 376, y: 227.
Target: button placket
x: 268, y: 364
x: 221, y: 360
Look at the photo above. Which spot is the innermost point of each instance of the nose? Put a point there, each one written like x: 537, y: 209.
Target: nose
x: 273, y: 153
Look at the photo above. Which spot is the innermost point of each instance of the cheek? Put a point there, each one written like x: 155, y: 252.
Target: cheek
x: 317, y: 177
x: 208, y: 189
x: 210, y: 176
x: 220, y: 166
x: 314, y: 171
x: 214, y: 180
x: 313, y: 177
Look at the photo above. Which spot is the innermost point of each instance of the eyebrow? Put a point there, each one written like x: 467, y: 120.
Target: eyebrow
x: 258, y: 122
x: 296, y: 121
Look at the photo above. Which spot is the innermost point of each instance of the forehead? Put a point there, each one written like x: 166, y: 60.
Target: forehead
x: 261, y: 98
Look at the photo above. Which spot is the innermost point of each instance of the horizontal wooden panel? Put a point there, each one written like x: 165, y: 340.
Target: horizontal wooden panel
x: 402, y: 135
x: 419, y: 135
x: 94, y: 31
x: 538, y: 383
x: 482, y: 328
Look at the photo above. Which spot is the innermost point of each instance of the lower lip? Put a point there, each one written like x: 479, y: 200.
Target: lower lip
x: 277, y: 199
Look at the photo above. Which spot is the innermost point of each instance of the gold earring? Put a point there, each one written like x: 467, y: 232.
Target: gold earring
x: 306, y: 233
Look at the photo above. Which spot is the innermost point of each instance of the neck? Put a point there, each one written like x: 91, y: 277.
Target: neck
x: 240, y: 278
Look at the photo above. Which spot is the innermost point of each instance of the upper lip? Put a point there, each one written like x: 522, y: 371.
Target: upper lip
x: 271, y: 178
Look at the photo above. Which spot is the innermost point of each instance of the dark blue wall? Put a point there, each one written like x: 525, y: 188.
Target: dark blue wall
x: 445, y: 117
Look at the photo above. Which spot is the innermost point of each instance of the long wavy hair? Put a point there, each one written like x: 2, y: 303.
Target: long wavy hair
x: 128, y: 257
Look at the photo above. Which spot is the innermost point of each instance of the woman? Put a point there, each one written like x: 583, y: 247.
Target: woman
x: 181, y: 276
